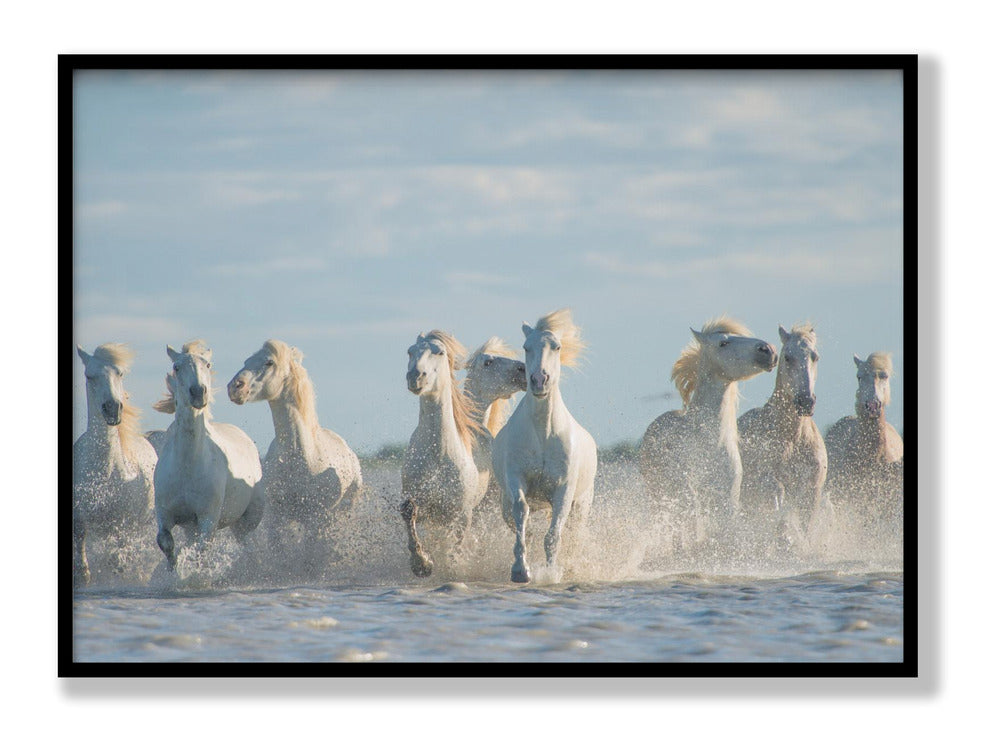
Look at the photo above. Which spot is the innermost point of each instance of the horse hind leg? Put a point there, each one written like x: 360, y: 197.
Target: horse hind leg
x: 420, y: 562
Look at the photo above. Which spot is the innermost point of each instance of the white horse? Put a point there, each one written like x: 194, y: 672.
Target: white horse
x: 493, y: 375
x: 690, y: 458
x: 543, y: 455
x: 309, y: 473
x: 866, y: 452
x: 207, y: 474
x: 112, y: 462
x: 783, y: 454
x: 440, y: 479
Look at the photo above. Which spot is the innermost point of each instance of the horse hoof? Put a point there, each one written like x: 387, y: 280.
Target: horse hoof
x: 520, y: 576
x: 422, y: 567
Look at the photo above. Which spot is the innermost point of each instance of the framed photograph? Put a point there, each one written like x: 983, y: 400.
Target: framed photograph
x: 590, y: 363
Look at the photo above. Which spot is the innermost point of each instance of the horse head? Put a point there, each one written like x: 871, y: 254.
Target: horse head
x: 873, y: 384
x: 731, y: 357
x: 105, y: 370
x: 191, y: 379
x: 797, y: 368
x: 264, y: 373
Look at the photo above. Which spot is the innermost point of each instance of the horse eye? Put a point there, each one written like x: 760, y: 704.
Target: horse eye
x: 723, y: 344
x: 269, y: 362
x: 487, y: 362
x: 177, y: 367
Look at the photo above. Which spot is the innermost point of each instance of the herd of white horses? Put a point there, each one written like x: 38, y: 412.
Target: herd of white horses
x: 703, y: 466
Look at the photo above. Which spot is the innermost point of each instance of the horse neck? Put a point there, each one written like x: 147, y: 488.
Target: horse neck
x: 292, y: 430
x: 546, y: 412
x: 108, y: 438
x: 190, y: 428
x: 872, y: 432
x: 783, y: 409
x: 437, y: 420
x: 714, y: 404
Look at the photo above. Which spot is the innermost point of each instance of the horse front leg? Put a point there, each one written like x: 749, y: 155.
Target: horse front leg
x: 561, y: 505
x: 420, y: 562
x: 165, y: 540
x: 519, y: 516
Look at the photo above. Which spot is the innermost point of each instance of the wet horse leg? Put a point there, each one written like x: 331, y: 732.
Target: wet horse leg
x: 519, y: 514
x: 420, y: 562
x: 560, y: 512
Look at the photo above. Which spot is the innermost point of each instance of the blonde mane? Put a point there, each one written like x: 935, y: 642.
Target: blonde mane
x: 296, y: 379
x: 461, y: 404
x: 496, y: 414
x: 121, y: 356
x: 880, y: 360
x: 168, y: 403
x: 560, y: 324
x: 685, y: 370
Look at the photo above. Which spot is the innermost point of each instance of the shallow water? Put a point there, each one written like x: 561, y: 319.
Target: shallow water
x: 627, y: 599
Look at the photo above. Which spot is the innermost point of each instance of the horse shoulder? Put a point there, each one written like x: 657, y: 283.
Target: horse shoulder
x: 236, y: 451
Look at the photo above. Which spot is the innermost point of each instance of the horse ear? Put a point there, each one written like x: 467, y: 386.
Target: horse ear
x: 699, y: 337
x: 84, y: 356
x: 785, y: 335
x: 297, y: 354
x: 857, y: 360
x: 526, y: 329
x: 171, y: 353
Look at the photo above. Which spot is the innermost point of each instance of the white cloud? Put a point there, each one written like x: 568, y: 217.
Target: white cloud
x: 258, y: 268
x: 103, y: 327
x: 100, y: 209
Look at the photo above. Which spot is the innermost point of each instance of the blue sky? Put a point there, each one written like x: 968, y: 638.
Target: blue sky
x: 346, y: 212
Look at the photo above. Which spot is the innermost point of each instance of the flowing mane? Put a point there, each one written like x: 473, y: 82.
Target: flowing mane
x: 121, y: 356
x: 880, y: 360
x: 685, y: 371
x: 296, y: 379
x: 168, y: 404
x: 560, y: 324
x: 496, y: 414
x: 465, y: 419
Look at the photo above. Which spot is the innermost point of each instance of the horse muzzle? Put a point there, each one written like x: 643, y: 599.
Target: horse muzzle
x: 540, y: 383
x: 112, y: 412
x: 766, y: 356
x: 237, y: 390
x: 873, y: 408
x: 521, y: 377
x: 199, y: 397
x: 805, y: 405
x: 415, y: 381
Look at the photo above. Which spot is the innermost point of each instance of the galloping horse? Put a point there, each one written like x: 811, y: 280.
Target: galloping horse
x: 112, y: 462
x: 439, y: 474
x: 207, y: 475
x: 493, y: 374
x: 866, y: 452
x: 690, y: 458
x: 784, y: 457
x: 310, y: 474
x: 543, y: 455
